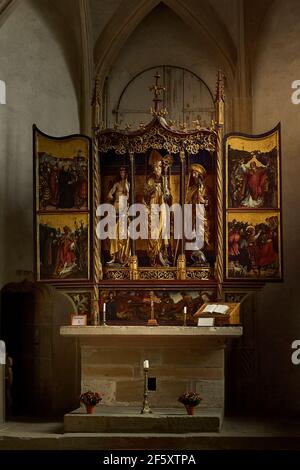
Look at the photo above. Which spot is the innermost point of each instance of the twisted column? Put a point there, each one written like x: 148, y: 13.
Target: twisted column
x: 219, y: 266
x: 97, y: 265
x: 133, y: 265
x: 181, y: 261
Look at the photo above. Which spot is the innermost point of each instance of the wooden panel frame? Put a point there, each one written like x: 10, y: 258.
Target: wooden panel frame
x: 254, y: 223
x: 43, y: 143
x: 168, y: 303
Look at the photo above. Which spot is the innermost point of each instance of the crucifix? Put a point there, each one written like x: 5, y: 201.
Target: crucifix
x: 152, y: 299
x: 157, y: 88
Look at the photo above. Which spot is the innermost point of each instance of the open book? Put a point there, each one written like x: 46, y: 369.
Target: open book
x: 216, y: 308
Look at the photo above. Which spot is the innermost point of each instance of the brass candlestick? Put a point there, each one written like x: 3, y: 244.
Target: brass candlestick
x: 146, y: 408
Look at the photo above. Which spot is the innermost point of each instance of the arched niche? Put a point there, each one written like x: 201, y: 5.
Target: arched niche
x: 187, y: 98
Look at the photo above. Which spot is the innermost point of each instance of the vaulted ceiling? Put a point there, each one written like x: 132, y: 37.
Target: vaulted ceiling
x: 92, y: 32
x: 110, y: 22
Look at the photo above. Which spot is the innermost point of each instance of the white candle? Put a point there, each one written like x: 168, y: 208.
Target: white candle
x: 146, y: 364
x: 184, y: 315
x: 104, y: 313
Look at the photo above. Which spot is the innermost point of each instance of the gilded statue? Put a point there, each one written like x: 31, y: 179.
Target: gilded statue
x: 197, y: 193
x: 120, y: 246
x: 157, y: 194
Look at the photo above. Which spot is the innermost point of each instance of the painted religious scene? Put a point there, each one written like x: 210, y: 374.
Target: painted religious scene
x: 253, y: 165
x: 253, y: 245
x: 62, y: 167
x: 166, y: 306
x: 63, y: 246
x: 62, y: 173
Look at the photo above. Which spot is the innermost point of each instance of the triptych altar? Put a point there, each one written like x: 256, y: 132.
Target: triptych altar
x: 158, y: 212
x: 149, y: 225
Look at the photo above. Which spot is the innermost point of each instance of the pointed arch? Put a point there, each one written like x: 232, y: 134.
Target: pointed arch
x: 197, y: 14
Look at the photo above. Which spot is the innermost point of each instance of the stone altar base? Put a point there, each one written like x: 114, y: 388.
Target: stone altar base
x: 130, y: 420
x: 181, y: 359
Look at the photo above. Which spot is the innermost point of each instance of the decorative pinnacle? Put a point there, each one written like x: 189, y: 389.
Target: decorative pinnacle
x: 96, y: 98
x: 219, y: 99
x: 96, y: 104
x: 220, y: 86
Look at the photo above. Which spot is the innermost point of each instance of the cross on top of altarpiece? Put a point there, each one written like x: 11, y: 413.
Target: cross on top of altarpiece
x: 157, y: 89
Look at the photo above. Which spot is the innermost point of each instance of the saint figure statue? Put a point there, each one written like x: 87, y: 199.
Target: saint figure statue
x: 197, y: 193
x: 120, y: 246
x: 157, y: 196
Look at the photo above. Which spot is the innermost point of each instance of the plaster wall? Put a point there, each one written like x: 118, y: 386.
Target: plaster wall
x: 114, y: 367
x: 40, y: 90
x: 162, y: 38
x: 277, y: 65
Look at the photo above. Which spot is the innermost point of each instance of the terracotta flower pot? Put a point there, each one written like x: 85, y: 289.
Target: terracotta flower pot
x: 90, y: 409
x: 190, y: 409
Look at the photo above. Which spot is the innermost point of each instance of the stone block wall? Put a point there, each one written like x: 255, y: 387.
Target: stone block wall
x: 114, y: 367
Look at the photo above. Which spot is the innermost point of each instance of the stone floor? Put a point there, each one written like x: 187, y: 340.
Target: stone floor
x: 237, y: 433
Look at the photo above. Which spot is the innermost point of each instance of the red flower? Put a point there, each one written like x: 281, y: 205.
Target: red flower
x: 90, y: 398
x: 190, y: 398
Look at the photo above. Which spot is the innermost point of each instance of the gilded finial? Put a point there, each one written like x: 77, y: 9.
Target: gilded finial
x: 163, y: 112
x: 219, y: 99
x: 197, y: 123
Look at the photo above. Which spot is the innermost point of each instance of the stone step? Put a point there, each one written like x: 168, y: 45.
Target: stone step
x: 130, y: 420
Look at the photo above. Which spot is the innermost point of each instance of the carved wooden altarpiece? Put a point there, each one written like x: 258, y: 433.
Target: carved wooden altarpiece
x: 161, y: 163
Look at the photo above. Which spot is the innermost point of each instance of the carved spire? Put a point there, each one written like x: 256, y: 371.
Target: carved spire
x: 96, y: 103
x: 219, y: 99
x: 157, y: 89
